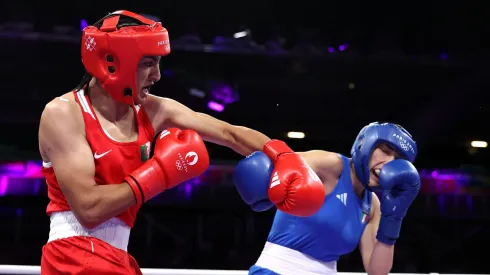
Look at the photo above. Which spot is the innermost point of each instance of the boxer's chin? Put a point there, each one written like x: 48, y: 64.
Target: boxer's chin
x: 142, y: 95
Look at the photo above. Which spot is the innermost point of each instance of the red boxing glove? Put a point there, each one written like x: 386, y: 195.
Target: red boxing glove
x: 294, y: 189
x: 176, y: 156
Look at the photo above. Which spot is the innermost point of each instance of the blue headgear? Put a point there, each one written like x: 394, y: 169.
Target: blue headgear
x: 373, y: 134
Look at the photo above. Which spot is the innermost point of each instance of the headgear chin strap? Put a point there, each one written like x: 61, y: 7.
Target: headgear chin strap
x: 112, y: 54
x: 373, y: 134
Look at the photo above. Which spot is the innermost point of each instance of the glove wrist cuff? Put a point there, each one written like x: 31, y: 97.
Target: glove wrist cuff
x: 389, y: 230
x: 148, y: 180
x: 276, y: 147
x: 136, y: 188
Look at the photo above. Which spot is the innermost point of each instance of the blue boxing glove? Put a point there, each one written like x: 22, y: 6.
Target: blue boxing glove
x: 400, y: 182
x: 252, y: 176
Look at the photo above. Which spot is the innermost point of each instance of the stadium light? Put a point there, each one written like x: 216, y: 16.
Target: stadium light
x: 296, y: 135
x: 479, y: 144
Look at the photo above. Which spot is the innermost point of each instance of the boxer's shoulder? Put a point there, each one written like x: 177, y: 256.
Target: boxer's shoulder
x: 61, y: 124
x: 154, y: 107
x: 160, y: 110
x: 65, y: 103
x: 62, y: 110
x: 156, y: 104
x: 327, y: 165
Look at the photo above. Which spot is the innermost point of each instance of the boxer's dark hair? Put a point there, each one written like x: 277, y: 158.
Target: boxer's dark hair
x: 124, y: 21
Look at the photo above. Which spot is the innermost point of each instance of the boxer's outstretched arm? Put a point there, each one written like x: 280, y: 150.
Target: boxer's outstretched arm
x: 377, y: 257
x: 240, y: 139
x: 62, y: 140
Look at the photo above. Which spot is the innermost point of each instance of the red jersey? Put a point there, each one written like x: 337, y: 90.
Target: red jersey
x: 113, y: 159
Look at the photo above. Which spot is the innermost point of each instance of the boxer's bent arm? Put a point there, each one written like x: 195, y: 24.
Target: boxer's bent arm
x: 63, y: 141
x: 240, y: 139
x: 377, y: 257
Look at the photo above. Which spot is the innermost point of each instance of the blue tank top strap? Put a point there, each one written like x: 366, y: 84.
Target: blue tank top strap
x: 346, y: 163
x: 345, y: 180
x: 366, y: 202
x: 367, y: 198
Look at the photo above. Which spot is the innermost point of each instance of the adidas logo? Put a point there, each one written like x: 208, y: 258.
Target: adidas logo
x: 164, y: 134
x: 275, y: 180
x: 343, y: 198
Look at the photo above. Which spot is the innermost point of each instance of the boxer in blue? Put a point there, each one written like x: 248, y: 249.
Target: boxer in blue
x: 351, y: 214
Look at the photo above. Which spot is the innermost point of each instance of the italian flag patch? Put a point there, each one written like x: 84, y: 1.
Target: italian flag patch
x: 364, y: 217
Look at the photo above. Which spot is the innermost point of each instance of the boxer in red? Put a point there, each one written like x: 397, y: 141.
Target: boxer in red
x: 102, y: 158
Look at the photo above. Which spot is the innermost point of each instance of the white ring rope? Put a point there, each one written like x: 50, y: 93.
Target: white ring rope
x: 36, y: 270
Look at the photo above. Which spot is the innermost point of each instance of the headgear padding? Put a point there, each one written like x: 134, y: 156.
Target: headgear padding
x: 112, y: 54
x: 373, y: 134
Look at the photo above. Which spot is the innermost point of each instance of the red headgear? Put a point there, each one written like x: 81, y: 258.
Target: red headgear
x: 112, y: 55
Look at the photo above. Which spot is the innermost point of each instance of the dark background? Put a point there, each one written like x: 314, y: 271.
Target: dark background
x: 423, y: 65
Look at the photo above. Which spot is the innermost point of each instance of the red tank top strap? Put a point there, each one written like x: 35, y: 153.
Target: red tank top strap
x: 144, y: 122
x: 88, y: 113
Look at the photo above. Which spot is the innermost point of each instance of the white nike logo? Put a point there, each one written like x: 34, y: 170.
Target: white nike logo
x: 96, y: 156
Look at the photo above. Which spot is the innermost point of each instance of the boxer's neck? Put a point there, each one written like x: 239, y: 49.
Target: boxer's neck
x: 110, y: 109
x: 356, y: 184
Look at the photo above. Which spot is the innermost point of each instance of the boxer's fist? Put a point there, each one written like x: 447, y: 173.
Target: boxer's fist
x: 251, y: 177
x: 176, y: 156
x: 401, y: 183
x: 182, y: 155
x: 294, y: 188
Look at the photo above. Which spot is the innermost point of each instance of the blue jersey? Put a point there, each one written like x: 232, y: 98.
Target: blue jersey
x: 334, y: 230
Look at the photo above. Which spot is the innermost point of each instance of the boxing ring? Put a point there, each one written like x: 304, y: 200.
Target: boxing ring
x: 36, y: 270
